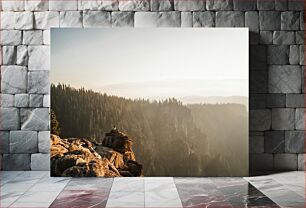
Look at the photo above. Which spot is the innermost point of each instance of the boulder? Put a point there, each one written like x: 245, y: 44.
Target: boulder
x: 80, y: 157
x: 118, y: 141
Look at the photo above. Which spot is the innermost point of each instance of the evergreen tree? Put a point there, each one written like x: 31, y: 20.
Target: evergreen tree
x: 55, y: 129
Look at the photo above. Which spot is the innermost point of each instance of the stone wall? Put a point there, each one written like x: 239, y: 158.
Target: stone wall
x: 276, y: 67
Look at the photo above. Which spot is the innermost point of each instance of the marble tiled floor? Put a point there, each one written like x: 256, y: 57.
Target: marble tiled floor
x: 38, y: 189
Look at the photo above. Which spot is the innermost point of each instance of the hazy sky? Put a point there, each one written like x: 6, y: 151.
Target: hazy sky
x: 152, y: 62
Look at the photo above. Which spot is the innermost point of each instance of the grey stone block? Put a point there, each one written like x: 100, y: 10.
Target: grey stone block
x: 299, y: 37
x: 259, y: 81
x: 122, y: 19
x: 256, y: 144
x: 274, y: 141
x: 283, y: 118
x: 265, y: 5
x: 269, y: 20
x: 295, y: 142
x: 261, y: 162
x: 246, y: 5
x: 290, y: 21
x: 22, y: 55
x: 9, y: 55
x: 6, y: 100
x: 9, y: 119
x: 300, y: 119
x: 302, y: 56
x: 162, y: 5
x: 36, y: 100
x: 276, y: 100
x: 44, y: 143
x: 21, y: 100
x: 23, y: 142
x: 134, y: 5
x: 229, y: 19
x: 283, y: 37
x: 295, y: 100
x: 185, y: 6
x: 303, y: 79
x: 302, y: 20
x: 7, y: 20
x: 260, y: 120
x: 186, y: 19
x: 278, y: 54
x: 296, y: 5
x: 38, y: 82
x: 13, y: 5
x: 71, y: 19
x: 16, y: 162
x: 13, y: 79
x: 46, y: 20
x: 253, y: 38
x: 39, y: 58
x: 37, y: 5
x: 256, y: 133
x: 266, y: 37
x: 35, y: 119
x: 33, y: 37
x: 285, y: 162
x: 4, y: 141
x: 281, y: 5
x: 24, y: 20
x: 40, y: 162
x: 222, y: 5
x: 252, y: 21
x: 203, y: 19
x: 257, y: 101
x: 46, y: 101
x: 10, y: 37
x: 97, y: 19
x: 99, y: 5
x: 62, y: 5
x: 46, y: 37
x: 258, y: 56
x: 294, y: 54
x: 157, y: 19
x: 301, y: 162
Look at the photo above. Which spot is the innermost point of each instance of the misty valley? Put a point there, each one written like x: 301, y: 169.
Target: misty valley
x: 169, y: 138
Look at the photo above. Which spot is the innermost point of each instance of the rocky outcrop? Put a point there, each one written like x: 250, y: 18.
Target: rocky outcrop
x: 80, y: 157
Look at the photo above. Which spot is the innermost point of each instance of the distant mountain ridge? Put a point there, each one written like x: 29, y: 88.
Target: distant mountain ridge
x: 215, y: 100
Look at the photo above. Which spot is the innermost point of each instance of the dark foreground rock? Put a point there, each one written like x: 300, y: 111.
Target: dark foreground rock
x: 79, y: 157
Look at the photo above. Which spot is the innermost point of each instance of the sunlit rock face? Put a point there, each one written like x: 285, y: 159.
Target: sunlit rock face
x: 80, y: 157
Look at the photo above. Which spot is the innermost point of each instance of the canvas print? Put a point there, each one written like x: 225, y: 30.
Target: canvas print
x: 149, y: 102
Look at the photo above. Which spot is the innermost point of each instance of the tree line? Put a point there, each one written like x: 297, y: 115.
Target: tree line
x: 167, y: 140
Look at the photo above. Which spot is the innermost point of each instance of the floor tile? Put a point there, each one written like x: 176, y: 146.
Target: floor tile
x: 128, y: 184
x: 161, y: 192
x: 30, y: 177
x: 277, y: 192
x: 90, y: 183
x: 81, y: 199
x: 125, y: 200
x: 35, y: 199
x: 295, y: 181
x: 199, y: 192
x: 12, y: 190
x: 9, y: 199
x: 7, y: 176
x: 38, y: 189
x: 153, y: 184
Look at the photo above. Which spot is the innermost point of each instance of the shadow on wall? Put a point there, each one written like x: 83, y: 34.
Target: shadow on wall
x: 258, y: 84
x: 263, y: 53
